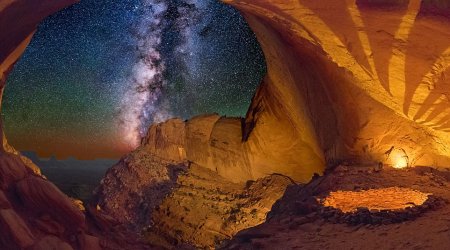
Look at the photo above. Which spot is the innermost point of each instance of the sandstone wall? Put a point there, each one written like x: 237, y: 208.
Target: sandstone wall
x: 372, y: 74
x: 369, y: 76
x: 348, y: 80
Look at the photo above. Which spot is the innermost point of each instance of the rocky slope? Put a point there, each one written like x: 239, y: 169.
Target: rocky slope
x: 34, y: 213
x: 205, y: 209
x: 182, y: 204
x: 297, y: 221
x: 190, y: 183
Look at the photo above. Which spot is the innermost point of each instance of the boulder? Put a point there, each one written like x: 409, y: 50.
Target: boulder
x: 14, y: 231
x: 41, y: 196
x: 51, y: 243
x: 12, y: 169
x: 88, y: 242
x: 4, y: 202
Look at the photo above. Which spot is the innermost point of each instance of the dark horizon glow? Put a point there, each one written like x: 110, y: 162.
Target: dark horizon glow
x: 98, y: 73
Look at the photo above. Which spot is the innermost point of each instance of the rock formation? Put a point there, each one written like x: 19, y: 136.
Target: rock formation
x: 298, y: 221
x: 181, y: 203
x: 348, y: 81
x: 34, y: 213
x: 356, y: 81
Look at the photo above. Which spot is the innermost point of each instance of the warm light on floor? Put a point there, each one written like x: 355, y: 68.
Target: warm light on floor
x: 393, y: 198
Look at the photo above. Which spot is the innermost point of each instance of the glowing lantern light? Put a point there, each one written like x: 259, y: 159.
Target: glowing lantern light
x: 398, y: 158
x: 401, y: 162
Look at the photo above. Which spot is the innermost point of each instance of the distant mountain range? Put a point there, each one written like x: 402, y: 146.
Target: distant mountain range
x: 36, y: 159
x: 76, y: 178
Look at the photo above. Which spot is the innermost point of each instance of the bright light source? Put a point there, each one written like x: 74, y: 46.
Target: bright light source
x: 401, y: 162
x: 398, y: 158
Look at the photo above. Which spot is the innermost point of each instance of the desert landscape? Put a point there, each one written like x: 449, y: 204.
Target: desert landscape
x: 345, y: 143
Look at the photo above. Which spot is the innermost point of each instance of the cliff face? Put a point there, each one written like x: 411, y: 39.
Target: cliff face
x: 347, y: 81
x: 218, y: 144
x: 357, y: 80
x: 178, y: 204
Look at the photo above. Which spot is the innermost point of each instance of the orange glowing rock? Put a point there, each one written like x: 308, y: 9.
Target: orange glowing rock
x: 393, y: 198
x: 363, y: 80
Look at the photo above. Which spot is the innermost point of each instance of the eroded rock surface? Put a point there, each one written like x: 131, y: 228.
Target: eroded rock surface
x: 33, y: 208
x: 353, y: 80
x: 135, y: 186
x: 182, y: 204
x: 205, y: 209
x: 298, y: 221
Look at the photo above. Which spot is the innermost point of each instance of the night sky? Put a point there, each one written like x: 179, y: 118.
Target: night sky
x: 99, y: 73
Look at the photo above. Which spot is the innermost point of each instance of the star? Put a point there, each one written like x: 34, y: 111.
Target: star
x: 98, y: 73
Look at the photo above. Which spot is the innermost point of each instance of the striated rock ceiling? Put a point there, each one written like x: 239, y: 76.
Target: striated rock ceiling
x: 359, y: 81
x: 382, y: 90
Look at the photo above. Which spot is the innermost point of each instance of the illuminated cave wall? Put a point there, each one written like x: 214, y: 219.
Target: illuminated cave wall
x: 365, y: 81
x: 358, y: 81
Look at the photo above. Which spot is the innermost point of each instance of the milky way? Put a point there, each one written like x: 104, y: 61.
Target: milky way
x: 97, y: 74
x: 142, y: 103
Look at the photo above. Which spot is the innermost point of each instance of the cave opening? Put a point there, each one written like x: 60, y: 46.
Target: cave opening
x: 327, y: 143
x: 87, y: 88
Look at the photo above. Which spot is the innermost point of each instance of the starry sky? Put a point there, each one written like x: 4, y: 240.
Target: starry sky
x: 98, y: 73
